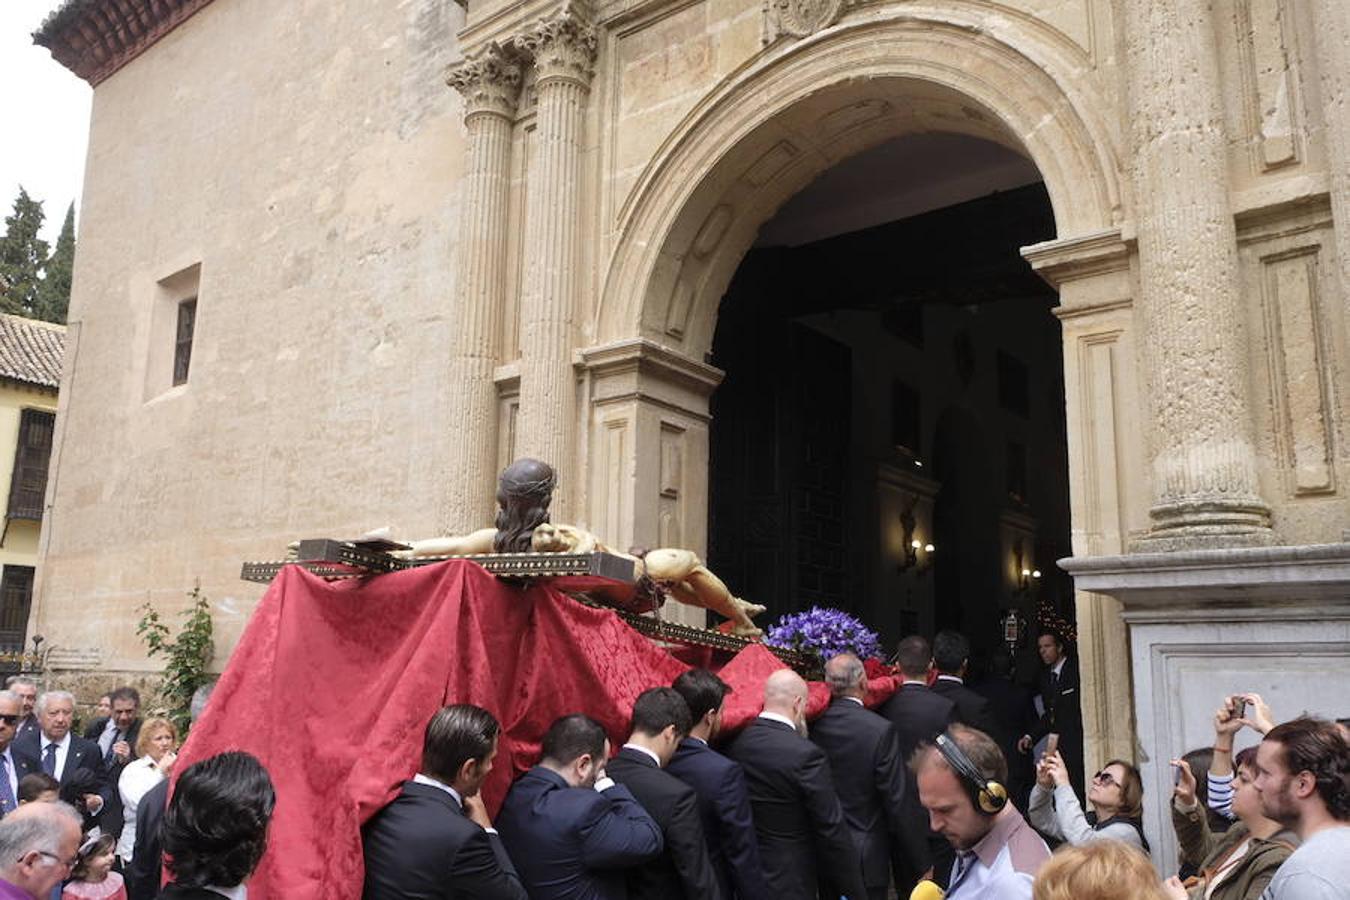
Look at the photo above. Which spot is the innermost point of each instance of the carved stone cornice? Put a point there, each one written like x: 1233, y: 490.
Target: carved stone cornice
x: 563, y: 46
x: 489, y: 81
x: 95, y: 38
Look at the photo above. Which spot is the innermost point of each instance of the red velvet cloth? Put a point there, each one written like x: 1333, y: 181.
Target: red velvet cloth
x: 331, y: 686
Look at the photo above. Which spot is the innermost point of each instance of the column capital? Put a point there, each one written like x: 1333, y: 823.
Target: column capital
x: 563, y: 46
x: 489, y: 81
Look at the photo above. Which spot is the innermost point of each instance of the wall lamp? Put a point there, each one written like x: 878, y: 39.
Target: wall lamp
x: 1028, y: 578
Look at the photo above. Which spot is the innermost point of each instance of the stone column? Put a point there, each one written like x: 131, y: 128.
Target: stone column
x: 1332, y: 27
x: 490, y: 85
x: 1205, y: 490
x: 563, y: 47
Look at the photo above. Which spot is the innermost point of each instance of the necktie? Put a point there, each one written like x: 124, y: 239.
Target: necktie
x: 7, y: 802
x: 109, y: 757
x: 49, y: 760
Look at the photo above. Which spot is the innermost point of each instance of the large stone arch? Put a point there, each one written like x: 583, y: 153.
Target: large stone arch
x: 771, y: 128
x: 761, y: 136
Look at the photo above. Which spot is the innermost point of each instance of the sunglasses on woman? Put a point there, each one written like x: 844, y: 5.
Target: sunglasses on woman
x: 1106, y: 778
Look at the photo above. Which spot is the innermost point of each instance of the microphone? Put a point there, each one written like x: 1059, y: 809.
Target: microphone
x: 926, y: 890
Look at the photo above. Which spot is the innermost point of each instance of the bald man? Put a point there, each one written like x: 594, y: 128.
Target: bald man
x: 38, y: 843
x: 869, y: 776
x: 799, y: 822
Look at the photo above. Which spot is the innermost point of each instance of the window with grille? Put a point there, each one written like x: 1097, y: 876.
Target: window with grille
x: 182, y: 351
x: 16, y: 593
x: 28, y: 483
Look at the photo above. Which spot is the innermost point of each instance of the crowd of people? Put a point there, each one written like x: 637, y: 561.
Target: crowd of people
x: 912, y: 796
x: 918, y: 797
x: 87, y: 817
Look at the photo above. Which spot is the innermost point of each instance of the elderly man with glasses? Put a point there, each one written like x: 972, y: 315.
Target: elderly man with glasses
x: 38, y: 846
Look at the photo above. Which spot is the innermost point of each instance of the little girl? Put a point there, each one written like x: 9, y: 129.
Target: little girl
x: 93, y: 878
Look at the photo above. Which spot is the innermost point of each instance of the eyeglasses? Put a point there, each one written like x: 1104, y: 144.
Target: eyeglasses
x: 67, y: 863
x: 9, y: 719
x: 1106, y: 778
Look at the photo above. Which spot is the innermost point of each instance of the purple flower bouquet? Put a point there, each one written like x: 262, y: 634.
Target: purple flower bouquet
x: 824, y: 631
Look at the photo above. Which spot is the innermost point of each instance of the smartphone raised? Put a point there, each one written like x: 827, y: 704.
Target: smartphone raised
x: 1051, y: 743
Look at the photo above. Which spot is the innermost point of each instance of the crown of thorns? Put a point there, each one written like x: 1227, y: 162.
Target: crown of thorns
x: 538, y: 486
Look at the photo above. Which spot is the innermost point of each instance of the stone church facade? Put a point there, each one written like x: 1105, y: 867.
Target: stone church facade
x: 396, y: 285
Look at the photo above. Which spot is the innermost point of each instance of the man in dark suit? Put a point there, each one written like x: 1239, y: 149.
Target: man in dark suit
x: 1063, y: 714
x: 869, y: 776
x: 435, y: 839
x: 1011, y: 705
x: 68, y: 758
x: 919, y: 715
x: 683, y: 871
x: 116, y: 735
x: 11, y: 711
x: 951, y: 658
x: 570, y: 829
x: 27, y: 690
x: 723, y: 801
x: 798, y: 819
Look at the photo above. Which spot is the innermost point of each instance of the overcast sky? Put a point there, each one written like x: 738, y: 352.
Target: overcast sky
x: 45, y: 114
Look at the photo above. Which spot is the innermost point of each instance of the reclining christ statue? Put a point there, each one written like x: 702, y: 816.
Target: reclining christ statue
x: 524, y: 492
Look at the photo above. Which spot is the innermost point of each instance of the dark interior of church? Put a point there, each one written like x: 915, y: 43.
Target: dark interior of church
x: 890, y: 435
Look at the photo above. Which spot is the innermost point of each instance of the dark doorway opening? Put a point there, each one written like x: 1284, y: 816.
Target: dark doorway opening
x: 889, y: 438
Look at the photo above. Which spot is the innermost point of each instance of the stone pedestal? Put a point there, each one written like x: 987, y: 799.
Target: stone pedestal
x: 1203, y: 625
x: 490, y: 85
x: 564, y: 51
x: 1204, y: 479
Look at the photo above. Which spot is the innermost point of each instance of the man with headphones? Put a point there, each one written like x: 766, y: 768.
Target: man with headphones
x: 960, y: 778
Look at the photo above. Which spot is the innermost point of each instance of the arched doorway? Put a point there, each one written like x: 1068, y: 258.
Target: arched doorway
x: 757, y: 139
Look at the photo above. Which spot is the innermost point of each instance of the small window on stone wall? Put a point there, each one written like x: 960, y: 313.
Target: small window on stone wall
x: 173, y: 334
x: 182, y: 348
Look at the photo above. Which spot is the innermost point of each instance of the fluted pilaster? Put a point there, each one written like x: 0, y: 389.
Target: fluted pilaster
x: 1205, y: 489
x: 1332, y: 21
x: 564, y: 51
x: 490, y: 85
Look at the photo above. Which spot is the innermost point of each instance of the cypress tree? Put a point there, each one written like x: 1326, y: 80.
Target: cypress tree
x: 53, y: 295
x: 22, y: 256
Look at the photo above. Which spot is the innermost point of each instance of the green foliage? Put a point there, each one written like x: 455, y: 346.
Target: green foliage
x: 22, y: 256
x: 185, y: 657
x: 53, y: 295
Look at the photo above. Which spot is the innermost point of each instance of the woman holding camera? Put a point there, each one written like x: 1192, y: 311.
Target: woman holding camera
x: 1116, y: 795
x: 1238, y: 864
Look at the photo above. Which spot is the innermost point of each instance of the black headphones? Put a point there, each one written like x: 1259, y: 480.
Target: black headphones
x: 988, y: 796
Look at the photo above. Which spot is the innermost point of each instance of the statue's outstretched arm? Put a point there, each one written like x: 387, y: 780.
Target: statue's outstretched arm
x: 479, y: 541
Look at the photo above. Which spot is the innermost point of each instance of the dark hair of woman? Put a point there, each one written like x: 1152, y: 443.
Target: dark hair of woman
x: 215, y: 829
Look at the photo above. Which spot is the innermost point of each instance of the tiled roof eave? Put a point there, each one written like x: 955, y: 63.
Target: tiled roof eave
x: 95, y: 38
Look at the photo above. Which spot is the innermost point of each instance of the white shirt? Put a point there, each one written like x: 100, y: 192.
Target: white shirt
x: 238, y: 892
x: 105, y: 740
x: 137, y: 779
x: 854, y: 699
x: 776, y: 717
x: 62, y: 751
x: 419, y: 778
x: 654, y: 758
x: 950, y: 678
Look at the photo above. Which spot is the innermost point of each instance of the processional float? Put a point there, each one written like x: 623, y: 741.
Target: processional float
x: 524, y: 546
